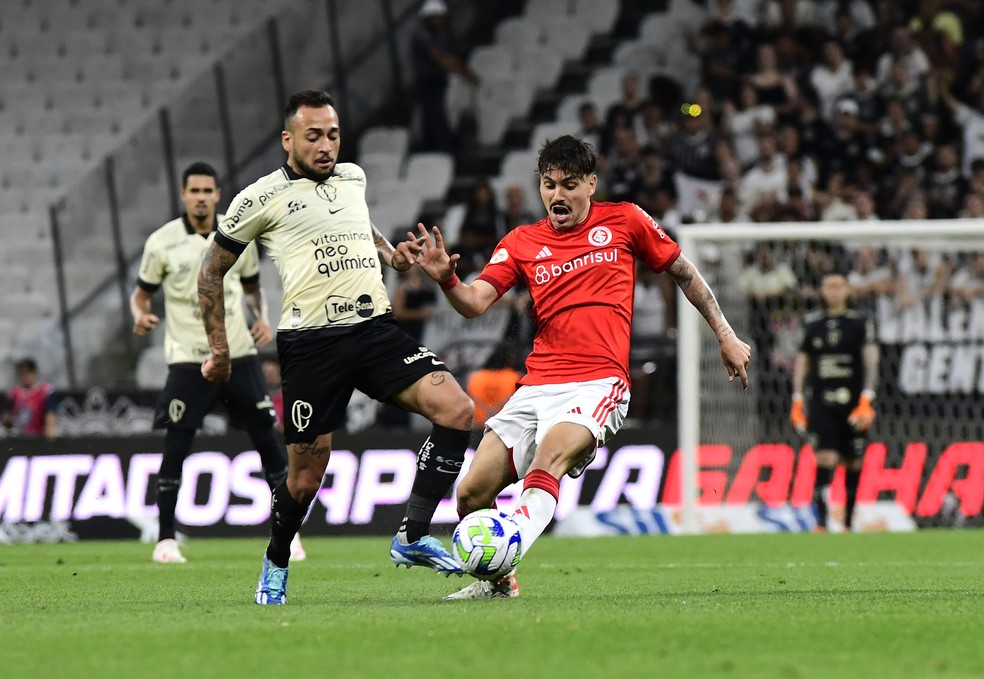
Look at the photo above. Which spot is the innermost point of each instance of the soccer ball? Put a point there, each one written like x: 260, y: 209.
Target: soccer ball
x: 487, y: 544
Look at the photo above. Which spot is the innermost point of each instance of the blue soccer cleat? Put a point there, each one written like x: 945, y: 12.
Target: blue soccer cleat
x: 272, y: 587
x: 427, y: 552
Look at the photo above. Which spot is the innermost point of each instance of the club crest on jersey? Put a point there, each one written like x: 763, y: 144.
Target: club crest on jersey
x: 326, y: 191
x: 600, y: 236
x: 500, y: 255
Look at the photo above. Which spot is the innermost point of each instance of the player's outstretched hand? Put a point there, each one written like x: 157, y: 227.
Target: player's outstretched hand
x: 736, y: 355
x: 428, y: 251
x: 262, y: 333
x: 144, y: 324
x: 217, y: 368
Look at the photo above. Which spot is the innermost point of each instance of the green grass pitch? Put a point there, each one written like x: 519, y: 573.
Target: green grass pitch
x: 790, y: 606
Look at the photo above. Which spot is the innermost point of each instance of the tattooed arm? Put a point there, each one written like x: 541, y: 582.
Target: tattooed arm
x: 388, y: 255
x: 734, y: 352
x: 211, y: 301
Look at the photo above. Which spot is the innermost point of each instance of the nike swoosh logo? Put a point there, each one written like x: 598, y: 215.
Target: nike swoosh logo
x: 334, y: 211
x: 437, y: 362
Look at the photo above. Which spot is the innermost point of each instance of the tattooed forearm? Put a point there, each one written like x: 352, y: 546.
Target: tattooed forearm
x: 383, y: 247
x: 695, y: 288
x: 211, y: 296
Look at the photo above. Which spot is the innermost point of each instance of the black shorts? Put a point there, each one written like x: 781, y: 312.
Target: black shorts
x: 321, y: 368
x: 188, y: 397
x: 830, y: 430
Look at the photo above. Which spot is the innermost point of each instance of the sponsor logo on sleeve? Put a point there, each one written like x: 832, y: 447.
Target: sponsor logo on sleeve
x: 500, y: 256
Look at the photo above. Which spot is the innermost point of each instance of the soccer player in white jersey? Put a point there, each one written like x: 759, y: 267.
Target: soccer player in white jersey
x: 579, y: 265
x: 171, y: 259
x: 337, y: 333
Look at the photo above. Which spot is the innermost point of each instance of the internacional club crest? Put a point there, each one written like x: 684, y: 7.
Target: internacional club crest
x: 600, y: 236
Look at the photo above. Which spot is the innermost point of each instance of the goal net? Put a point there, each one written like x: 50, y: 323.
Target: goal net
x: 923, y: 284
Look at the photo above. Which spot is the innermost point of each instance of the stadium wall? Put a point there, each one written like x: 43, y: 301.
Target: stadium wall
x: 103, y: 488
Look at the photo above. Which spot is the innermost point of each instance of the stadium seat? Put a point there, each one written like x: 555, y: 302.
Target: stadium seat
x: 601, y: 15
x: 518, y: 31
x: 454, y: 218
x: 545, y: 131
x: 392, y: 140
x: 151, y: 368
x: 605, y: 87
x: 499, y: 101
x: 430, y: 174
x: 569, y: 108
x: 567, y: 36
x: 538, y: 63
x: 546, y: 10
x: 380, y: 166
x: 461, y: 98
x: 490, y: 61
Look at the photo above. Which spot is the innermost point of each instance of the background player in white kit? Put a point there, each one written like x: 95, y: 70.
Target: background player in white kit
x: 337, y: 333
x: 579, y: 265
x: 171, y: 259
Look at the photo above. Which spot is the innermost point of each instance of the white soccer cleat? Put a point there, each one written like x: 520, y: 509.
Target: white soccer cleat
x: 297, y: 552
x: 167, y: 551
x: 506, y: 587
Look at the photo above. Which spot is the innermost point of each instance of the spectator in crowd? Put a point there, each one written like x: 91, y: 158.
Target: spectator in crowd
x: 624, y: 166
x: 414, y: 302
x: 767, y: 180
x: 652, y: 355
x: 433, y: 61
x: 720, y: 62
x: 945, y: 185
x: 482, y: 227
x: 516, y: 211
x: 590, y: 128
x: 31, y: 403
x: 623, y: 112
x: 906, y: 52
x: 832, y: 78
x: 973, y: 207
x: 971, y: 121
x: 747, y: 124
x: 653, y: 126
x: 967, y: 284
x: 492, y: 385
x: 864, y: 207
x: 772, y: 86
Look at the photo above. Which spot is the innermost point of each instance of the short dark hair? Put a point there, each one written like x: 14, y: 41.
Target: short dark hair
x: 199, y: 168
x: 568, y: 154
x: 28, y: 364
x: 312, y: 98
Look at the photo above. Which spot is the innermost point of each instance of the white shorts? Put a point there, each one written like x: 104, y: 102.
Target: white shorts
x: 599, y: 405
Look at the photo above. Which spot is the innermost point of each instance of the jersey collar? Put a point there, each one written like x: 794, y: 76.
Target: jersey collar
x: 190, y: 230
x: 291, y: 175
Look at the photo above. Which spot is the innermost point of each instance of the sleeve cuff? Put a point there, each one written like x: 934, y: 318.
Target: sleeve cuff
x: 250, y: 280
x: 230, y: 244
x: 148, y: 287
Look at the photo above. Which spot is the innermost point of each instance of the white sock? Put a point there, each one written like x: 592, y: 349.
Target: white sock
x: 535, y: 511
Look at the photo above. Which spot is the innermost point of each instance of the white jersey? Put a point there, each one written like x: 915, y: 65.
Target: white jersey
x: 320, y: 237
x: 172, y: 257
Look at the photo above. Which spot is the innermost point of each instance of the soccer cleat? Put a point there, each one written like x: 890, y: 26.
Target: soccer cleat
x: 427, y: 552
x: 506, y: 587
x: 297, y: 552
x: 271, y: 590
x: 166, y: 551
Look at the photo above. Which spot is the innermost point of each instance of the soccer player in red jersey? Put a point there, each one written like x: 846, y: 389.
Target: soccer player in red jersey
x: 579, y: 265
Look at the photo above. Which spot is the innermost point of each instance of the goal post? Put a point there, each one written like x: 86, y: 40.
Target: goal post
x: 712, y: 412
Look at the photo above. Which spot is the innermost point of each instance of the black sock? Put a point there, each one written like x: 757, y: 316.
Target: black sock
x: 286, y: 515
x: 177, y: 445
x: 272, y: 455
x: 438, y: 464
x: 851, y: 480
x: 823, y: 479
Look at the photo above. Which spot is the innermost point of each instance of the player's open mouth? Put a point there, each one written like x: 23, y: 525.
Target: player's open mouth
x: 561, y: 213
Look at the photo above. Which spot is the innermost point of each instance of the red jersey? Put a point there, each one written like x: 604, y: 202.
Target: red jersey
x: 30, y: 406
x: 583, y: 284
